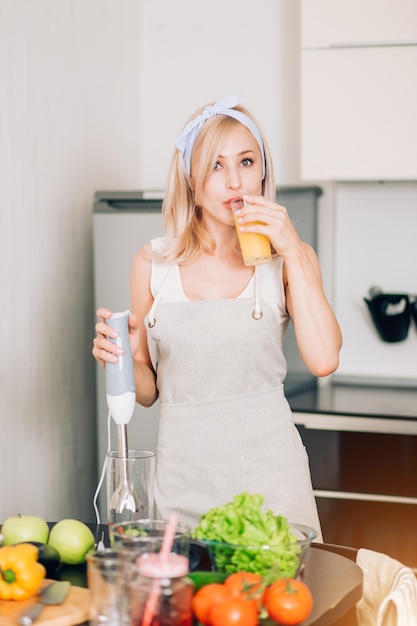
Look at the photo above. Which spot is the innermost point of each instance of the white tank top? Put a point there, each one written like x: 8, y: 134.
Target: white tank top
x: 269, y: 277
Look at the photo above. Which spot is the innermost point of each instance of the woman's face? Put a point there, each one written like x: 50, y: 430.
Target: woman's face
x: 237, y: 171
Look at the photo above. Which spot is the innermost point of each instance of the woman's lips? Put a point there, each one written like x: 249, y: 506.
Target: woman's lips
x: 227, y: 203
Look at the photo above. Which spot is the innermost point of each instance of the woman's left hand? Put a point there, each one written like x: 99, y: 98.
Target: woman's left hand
x: 272, y: 220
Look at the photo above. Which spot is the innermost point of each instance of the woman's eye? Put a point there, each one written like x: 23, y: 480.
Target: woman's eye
x: 247, y: 162
x: 217, y: 165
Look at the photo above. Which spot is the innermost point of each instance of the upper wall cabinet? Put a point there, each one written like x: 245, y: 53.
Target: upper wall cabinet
x: 326, y: 23
x: 359, y: 90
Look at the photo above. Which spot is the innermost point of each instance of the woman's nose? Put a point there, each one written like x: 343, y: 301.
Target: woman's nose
x: 233, y: 180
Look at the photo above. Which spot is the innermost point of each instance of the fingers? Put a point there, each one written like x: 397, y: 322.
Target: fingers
x: 133, y: 323
x: 263, y: 212
x: 104, y: 314
x: 104, y: 350
x: 263, y: 203
x: 269, y: 212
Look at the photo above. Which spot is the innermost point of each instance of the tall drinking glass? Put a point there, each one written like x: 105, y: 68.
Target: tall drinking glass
x: 255, y: 247
x: 103, y: 580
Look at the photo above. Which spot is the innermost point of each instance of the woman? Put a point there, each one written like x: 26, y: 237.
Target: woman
x: 207, y: 331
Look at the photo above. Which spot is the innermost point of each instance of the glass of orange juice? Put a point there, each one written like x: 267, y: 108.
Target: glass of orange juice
x: 255, y: 248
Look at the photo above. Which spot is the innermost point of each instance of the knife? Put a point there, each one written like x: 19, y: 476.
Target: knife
x: 55, y: 593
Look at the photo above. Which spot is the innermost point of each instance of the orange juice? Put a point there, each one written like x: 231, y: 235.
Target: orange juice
x: 255, y: 248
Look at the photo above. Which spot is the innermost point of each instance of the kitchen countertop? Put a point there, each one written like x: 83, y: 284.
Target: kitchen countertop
x: 356, y: 400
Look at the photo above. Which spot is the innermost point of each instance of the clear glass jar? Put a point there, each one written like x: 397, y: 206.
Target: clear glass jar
x: 161, y: 594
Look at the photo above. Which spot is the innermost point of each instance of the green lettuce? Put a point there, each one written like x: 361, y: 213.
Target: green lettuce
x: 242, y: 536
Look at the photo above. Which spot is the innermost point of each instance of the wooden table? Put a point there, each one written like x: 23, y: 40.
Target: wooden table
x: 335, y: 582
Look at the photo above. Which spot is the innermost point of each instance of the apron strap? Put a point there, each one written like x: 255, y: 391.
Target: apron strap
x: 257, y: 313
x: 151, y: 314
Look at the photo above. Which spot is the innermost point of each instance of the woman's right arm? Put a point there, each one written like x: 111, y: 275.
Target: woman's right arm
x: 106, y: 351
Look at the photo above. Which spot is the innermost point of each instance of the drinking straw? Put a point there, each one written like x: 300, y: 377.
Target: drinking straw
x: 168, y: 539
x: 166, y: 547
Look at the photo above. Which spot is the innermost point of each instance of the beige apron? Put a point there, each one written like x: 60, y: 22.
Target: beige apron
x: 225, y: 426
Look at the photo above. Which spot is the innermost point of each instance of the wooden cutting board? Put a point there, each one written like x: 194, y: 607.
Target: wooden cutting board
x: 74, y: 610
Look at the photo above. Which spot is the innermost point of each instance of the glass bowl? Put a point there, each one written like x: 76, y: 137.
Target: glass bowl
x: 281, y: 560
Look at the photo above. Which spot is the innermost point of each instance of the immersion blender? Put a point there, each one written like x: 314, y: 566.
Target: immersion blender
x: 121, y: 398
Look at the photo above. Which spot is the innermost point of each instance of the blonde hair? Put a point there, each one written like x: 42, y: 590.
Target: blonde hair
x: 186, y: 238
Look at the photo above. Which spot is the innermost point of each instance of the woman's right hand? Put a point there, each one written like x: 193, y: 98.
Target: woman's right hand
x: 106, y: 351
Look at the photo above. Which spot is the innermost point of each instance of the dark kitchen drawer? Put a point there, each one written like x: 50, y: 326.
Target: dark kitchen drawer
x: 373, y: 463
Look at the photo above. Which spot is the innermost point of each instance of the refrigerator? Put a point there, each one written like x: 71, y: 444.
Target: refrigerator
x: 123, y: 221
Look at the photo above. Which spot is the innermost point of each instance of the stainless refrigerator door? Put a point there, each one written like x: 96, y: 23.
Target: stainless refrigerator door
x: 117, y: 237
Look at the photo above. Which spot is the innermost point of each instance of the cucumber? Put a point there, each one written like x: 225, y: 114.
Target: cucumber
x: 200, y: 579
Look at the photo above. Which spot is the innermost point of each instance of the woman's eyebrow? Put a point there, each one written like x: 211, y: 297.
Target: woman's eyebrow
x: 240, y: 153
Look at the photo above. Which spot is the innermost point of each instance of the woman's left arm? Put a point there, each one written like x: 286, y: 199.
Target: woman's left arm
x: 316, y: 329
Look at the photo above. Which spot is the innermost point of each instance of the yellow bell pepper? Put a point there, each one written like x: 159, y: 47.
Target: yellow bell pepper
x: 20, y: 573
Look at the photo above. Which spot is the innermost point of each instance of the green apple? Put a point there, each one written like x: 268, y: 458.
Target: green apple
x: 72, y: 539
x: 20, y: 528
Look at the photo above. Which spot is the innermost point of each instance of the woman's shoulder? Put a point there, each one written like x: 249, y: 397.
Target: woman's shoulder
x: 143, y: 256
x: 146, y: 269
x: 158, y: 244
x: 146, y: 254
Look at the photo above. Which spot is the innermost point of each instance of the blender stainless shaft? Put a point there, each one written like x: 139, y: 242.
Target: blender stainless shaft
x: 122, y: 446
x: 124, y: 498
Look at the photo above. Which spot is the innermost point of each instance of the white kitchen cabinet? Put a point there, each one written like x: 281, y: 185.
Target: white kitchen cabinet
x: 359, y: 90
x: 359, y: 114
x: 327, y: 23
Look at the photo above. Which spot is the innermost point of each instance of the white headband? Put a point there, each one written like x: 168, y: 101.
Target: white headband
x: 225, y: 106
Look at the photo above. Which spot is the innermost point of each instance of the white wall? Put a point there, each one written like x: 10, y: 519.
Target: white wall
x: 68, y: 126
x: 192, y: 53
x: 94, y: 93
x: 375, y: 245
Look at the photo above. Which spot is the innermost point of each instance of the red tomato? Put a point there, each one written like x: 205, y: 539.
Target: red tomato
x: 234, y: 611
x: 246, y: 585
x: 205, y: 598
x: 288, y: 601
